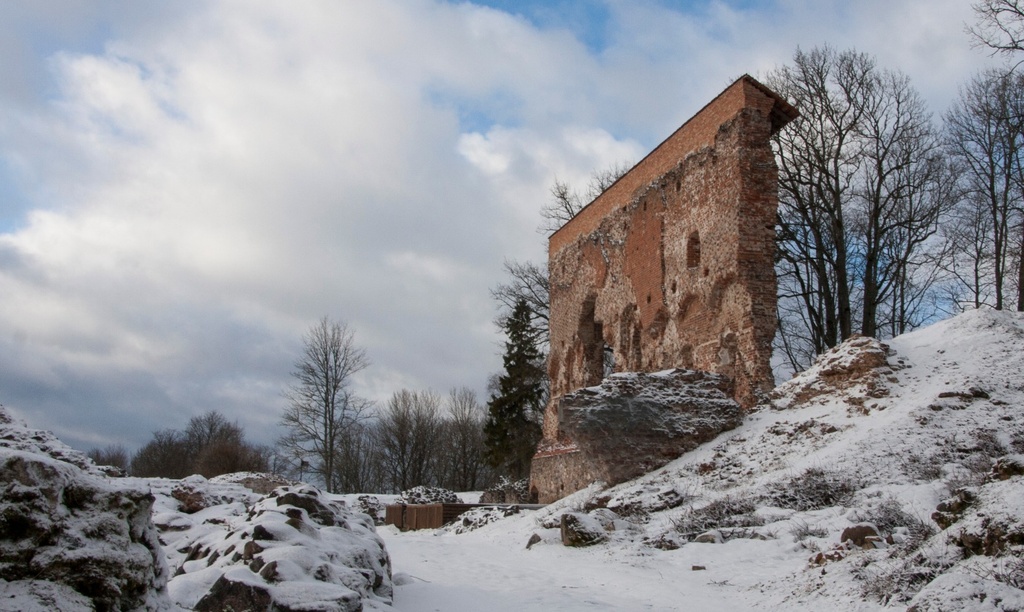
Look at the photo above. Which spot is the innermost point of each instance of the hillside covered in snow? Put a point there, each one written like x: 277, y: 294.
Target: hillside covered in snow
x: 887, y: 476
x: 910, y: 450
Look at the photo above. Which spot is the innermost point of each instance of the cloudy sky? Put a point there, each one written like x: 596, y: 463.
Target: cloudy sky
x: 186, y: 186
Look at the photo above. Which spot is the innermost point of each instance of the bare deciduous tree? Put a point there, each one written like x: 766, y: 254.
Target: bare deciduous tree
x: 407, y: 439
x: 113, y: 455
x: 862, y: 185
x: 1000, y: 25
x: 210, y: 445
x: 164, y: 456
x: 985, y: 133
x: 527, y: 282
x: 463, y: 439
x: 566, y: 201
x: 323, y: 404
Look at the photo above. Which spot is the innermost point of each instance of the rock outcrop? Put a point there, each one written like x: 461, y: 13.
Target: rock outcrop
x: 68, y: 535
x: 857, y: 370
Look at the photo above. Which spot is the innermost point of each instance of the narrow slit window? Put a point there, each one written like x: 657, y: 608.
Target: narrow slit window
x: 693, y: 251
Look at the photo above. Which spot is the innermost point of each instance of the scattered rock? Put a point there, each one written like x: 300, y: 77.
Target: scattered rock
x: 475, y: 518
x: 508, y: 491
x: 1007, y: 467
x: 863, y: 535
x: 16, y: 435
x: 836, y: 553
x: 535, y: 538
x: 227, y: 594
x: 23, y: 595
x: 257, y: 482
x: 950, y: 510
x: 856, y: 370
x: 953, y: 592
x: 373, y: 507
x: 710, y: 537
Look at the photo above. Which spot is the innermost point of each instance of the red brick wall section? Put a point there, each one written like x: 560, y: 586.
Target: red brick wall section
x: 623, y: 271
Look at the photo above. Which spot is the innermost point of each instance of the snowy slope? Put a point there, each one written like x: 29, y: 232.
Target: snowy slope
x: 922, y: 417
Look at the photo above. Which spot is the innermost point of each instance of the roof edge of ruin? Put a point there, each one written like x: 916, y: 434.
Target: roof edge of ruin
x: 782, y: 112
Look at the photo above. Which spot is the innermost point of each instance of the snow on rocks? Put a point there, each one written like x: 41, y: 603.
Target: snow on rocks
x: 68, y: 535
x: 579, y: 529
x: 293, y: 549
x: 16, y: 435
x: 475, y: 518
x: 955, y: 591
x: 428, y: 495
x: 257, y: 482
x: 508, y: 491
x: 633, y: 423
x: 858, y: 369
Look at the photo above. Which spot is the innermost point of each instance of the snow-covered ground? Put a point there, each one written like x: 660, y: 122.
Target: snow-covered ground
x: 886, y: 446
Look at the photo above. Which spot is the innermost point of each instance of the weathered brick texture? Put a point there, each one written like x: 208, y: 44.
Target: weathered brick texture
x: 672, y: 266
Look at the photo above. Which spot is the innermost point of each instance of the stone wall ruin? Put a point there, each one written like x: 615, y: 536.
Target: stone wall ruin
x: 670, y: 267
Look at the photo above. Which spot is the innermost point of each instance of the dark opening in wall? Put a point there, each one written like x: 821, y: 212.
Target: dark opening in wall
x: 693, y: 251
x: 591, y: 334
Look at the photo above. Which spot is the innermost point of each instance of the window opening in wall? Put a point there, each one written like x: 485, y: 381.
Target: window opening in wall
x: 609, y: 361
x: 693, y: 251
x: 591, y: 334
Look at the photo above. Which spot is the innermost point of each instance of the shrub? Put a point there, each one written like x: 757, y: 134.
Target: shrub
x: 889, y: 516
x: 898, y: 580
x: 722, y: 513
x: 801, y: 531
x: 814, y: 489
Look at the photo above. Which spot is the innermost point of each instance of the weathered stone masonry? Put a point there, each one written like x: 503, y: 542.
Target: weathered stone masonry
x: 670, y: 267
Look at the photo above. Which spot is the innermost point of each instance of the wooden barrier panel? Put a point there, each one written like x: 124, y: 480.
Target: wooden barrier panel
x: 424, y: 516
x: 434, y: 516
x: 395, y: 515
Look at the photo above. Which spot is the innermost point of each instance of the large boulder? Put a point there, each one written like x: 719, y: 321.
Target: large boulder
x: 67, y: 534
x: 634, y: 422
x: 293, y: 549
x: 580, y: 530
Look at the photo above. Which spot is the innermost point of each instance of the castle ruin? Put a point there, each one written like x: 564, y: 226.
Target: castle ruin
x: 670, y: 267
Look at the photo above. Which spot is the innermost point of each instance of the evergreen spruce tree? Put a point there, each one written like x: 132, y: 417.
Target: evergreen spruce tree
x: 512, y: 428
